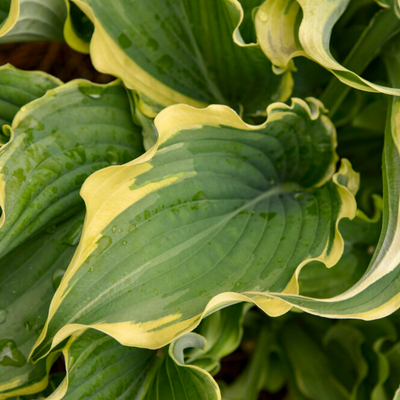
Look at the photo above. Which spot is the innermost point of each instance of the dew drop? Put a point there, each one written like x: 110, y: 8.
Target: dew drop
x: 152, y: 44
x: 74, y: 234
x: 199, y: 196
x: 94, y: 92
x: 102, y: 245
x: 114, y: 229
x: 164, y: 63
x: 29, y: 324
x: 10, y: 356
x: 57, y: 276
x: 124, y: 41
x: 299, y: 196
x: 3, y: 316
x: 112, y: 155
x: 124, y: 242
x: 51, y: 229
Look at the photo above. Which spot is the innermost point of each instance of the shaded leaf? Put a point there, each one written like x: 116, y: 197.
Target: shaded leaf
x: 29, y: 276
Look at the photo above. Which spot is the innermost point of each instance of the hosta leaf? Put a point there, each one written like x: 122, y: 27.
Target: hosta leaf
x: 360, y: 238
x: 56, y: 143
x: 182, y: 51
x: 98, y: 367
x: 376, y: 294
x: 9, y: 10
x: 394, y: 4
x: 312, y: 368
x: 175, y: 380
x: 303, y: 27
x: 220, y: 212
x: 78, y: 29
x: 318, y: 358
x: 393, y: 356
x: 29, y: 20
x: 223, y: 332
x: 18, y: 88
x: 29, y: 276
x: 250, y: 382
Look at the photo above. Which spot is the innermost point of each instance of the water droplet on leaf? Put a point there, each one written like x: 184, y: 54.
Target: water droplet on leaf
x: 3, y: 316
x: 94, y: 92
x: 10, y: 356
x: 57, y: 276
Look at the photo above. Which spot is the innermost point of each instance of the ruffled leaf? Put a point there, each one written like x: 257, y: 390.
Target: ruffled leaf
x: 183, y: 51
x: 219, y: 212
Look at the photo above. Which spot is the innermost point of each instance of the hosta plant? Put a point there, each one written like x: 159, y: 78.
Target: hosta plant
x: 233, y: 192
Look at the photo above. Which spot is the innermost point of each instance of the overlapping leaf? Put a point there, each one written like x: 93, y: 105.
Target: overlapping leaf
x: 376, y: 294
x: 303, y: 27
x: 99, y: 367
x: 360, y: 237
x: 183, y: 51
x: 318, y: 359
x: 220, y: 212
x: 56, y: 143
x: 29, y: 20
x: 19, y: 88
x: 29, y: 276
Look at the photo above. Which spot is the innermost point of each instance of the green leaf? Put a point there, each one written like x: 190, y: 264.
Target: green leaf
x: 30, y: 20
x: 223, y: 332
x: 318, y: 358
x: 312, y: 370
x: 183, y: 51
x: 98, y: 367
x: 176, y: 380
x: 56, y: 142
x: 360, y: 238
x: 251, y: 381
x: 18, y: 88
x: 393, y: 356
x: 376, y: 294
x: 303, y: 28
x: 78, y: 29
x: 394, y: 4
x: 220, y: 212
x: 29, y: 276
